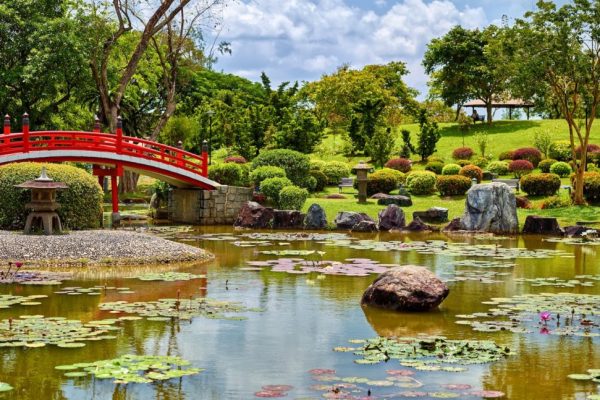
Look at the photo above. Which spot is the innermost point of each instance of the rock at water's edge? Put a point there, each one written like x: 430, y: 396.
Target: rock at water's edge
x: 491, y: 208
x: 315, y: 218
x: 391, y: 218
x: 253, y: 215
x: 542, y: 226
x: 349, y: 219
x: 287, y: 219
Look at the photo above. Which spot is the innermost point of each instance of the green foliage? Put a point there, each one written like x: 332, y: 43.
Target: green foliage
x: 317, y: 165
x: 271, y: 187
x: 380, y: 146
x: 463, y: 163
x: 542, y: 140
x: 555, y: 202
x: 295, y: 164
x: 481, y: 162
x: 506, y: 155
x: 560, y: 150
x: 472, y: 172
x: 259, y: 174
x: 364, y: 125
x: 421, y: 182
x: 540, y: 184
x: 434, y: 166
x: 545, y: 165
x: 429, y: 135
x: 453, y: 185
x: 384, y: 181
x: 182, y: 129
x: 591, y: 186
x: 482, y: 140
x: 230, y: 174
x: 399, y: 164
x: 451, y: 169
x: 407, y: 147
x: 320, y: 180
x: 81, y: 203
x: 561, y: 169
x: 292, y: 198
x: 498, y: 167
x: 335, y: 171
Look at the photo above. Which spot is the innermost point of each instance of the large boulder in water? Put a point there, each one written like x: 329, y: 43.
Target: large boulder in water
x: 406, y: 288
x: 392, y: 218
x: 315, y: 218
x: 253, y: 215
x: 542, y: 226
x: 491, y: 208
x: 350, y: 219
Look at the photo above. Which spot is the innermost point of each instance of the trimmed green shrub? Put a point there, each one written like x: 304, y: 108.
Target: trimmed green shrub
x: 540, y: 184
x: 229, y: 174
x: 292, y: 198
x: 480, y: 162
x: 295, y: 164
x: 463, y: 163
x: 463, y: 153
x: 383, y: 181
x: 81, y: 202
x: 545, y: 165
x: 421, y: 182
x: 520, y: 168
x: 506, y: 155
x: 531, y: 154
x: 271, y: 187
x: 594, y: 158
x: 453, y: 185
x: 435, y: 166
x: 451, y: 169
x: 472, y: 171
x: 399, y: 164
x: 561, y: 169
x: 560, y: 150
x: 435, y: 159
x: 317, y: 165
x: 235, y: 159
x: 555, y: 202
x: 498, y: 167
x: 335, y: 171
x: 265, y: 172
x: 320, y: 179
x: 591, y: 186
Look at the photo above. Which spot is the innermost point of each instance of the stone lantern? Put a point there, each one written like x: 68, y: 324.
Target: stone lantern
x: 362, y: 170
x: 43, y: 204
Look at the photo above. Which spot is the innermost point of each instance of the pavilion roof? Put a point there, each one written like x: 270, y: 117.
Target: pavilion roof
x: 500, y: 103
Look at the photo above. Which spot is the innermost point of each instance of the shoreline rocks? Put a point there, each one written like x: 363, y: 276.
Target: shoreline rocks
x: 491, y: 208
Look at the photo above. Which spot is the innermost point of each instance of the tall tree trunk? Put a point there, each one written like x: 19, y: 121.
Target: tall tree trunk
x: 488, y: 106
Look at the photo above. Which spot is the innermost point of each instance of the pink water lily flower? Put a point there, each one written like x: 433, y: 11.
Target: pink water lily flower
x: 545, y: 316
x: 18, y: 264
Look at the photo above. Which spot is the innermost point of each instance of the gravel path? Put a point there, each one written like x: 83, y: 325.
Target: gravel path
x: 99, y: 247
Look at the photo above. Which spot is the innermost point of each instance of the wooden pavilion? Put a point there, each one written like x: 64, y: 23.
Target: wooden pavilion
x: 510, y: 104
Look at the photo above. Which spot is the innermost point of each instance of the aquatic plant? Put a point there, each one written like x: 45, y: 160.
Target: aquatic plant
x: 169, y: 276
x: 8, y: 300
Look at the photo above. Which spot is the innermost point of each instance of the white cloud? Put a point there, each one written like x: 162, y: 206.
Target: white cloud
x: 301, y: 39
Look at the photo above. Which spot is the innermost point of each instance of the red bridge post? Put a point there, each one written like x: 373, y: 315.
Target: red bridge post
x: 6, y: 127
x: 25, y: 124
x: 119, y: 135
x: 204, y: 168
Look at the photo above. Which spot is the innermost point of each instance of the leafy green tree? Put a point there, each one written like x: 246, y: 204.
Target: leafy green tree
x: 407, y: 147
x: 380, y: 146
x: 559, y: 52
x: 429, y: 135
x: 367, y: 118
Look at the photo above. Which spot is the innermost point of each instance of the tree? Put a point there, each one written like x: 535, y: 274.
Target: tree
x: 365, y: 121
x: 407, y: 147
x: 560, y: 47
x: 429, y: 135
x: 380, y: 146
x: 470, y: 64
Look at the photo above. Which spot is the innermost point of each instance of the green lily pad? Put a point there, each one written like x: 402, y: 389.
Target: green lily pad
x: 5, y: 387
x: 581, y: 377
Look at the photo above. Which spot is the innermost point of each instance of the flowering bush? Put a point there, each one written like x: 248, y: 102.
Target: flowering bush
x: 540, y: 184
x: 453, y: 185
x: 399, y: 164
x: 520, y: 168
x: 472, y: 172
x: 451, y: 169
x: 463, y: 153
x: 591, y: 148
x: 561, y: 169
x: 531, y: 154
x: 421, y: 182
x: 545, y: 165
x: 498, y: 167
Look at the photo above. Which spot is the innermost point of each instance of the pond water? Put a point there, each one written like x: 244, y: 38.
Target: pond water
x: 303, y: 318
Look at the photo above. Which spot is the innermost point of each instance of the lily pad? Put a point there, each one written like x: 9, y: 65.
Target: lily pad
x: 169, y: 276
x: 5, y: 387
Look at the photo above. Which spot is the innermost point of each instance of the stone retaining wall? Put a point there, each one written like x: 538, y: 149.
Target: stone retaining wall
x: 207, y: 207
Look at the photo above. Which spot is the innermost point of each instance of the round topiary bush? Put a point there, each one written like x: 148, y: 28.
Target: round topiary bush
x: 265, y: 172
x: 463, y: 153
x: 292, y: 198
x: 472, y: 172
x: 320, y: 179
x: 435, y: 159
x: 435, y: 166
x: 520, y: 168
x: 498, y: 167
x: 295, y: 164
x: 480, y: 162
x: 451, y: 169
x: 560, y: 150
x: 403, y: 165
x: 229, y: 174
x: 545, y: 165
x: 271, y: 187
x: 540, y: 184
x: 591, y: 186
x: 463, y: 163
x: 453, y: 185
x: 335, y: 171
x: 317, y: 165
x: 506, y: 155
x: 561, y: 169
x: 80, y: 203
x: 421, y: 182
x: 531, y: 154
x: 235, y: 159
x: 383, y: 181
x: 591, y: 148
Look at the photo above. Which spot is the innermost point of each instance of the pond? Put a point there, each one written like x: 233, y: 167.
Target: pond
x: 293, y: 321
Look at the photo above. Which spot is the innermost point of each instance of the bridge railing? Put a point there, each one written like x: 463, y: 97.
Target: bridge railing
x: 30, y: 141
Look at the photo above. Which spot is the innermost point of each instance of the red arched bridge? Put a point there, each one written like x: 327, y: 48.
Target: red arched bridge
x: 109, y: 153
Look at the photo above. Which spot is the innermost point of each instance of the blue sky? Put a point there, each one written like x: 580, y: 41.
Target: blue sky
x: 304, y: 39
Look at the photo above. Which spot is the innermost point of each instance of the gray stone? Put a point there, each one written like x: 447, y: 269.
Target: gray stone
x: 453, y: 226
x: 392, y: 218
x: 406, y: 288
x: 287, y: 219
x: 401, y: 201
x: 365, y: 226
x: 349, y: 219
x: 491, y: 208
x: 435, y: 215
x: 378, y: 196
x: 253, y: 215
x: 575, y: 231
x: 542, y: 226
x: 418, y: 226
x: 315, y: 218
